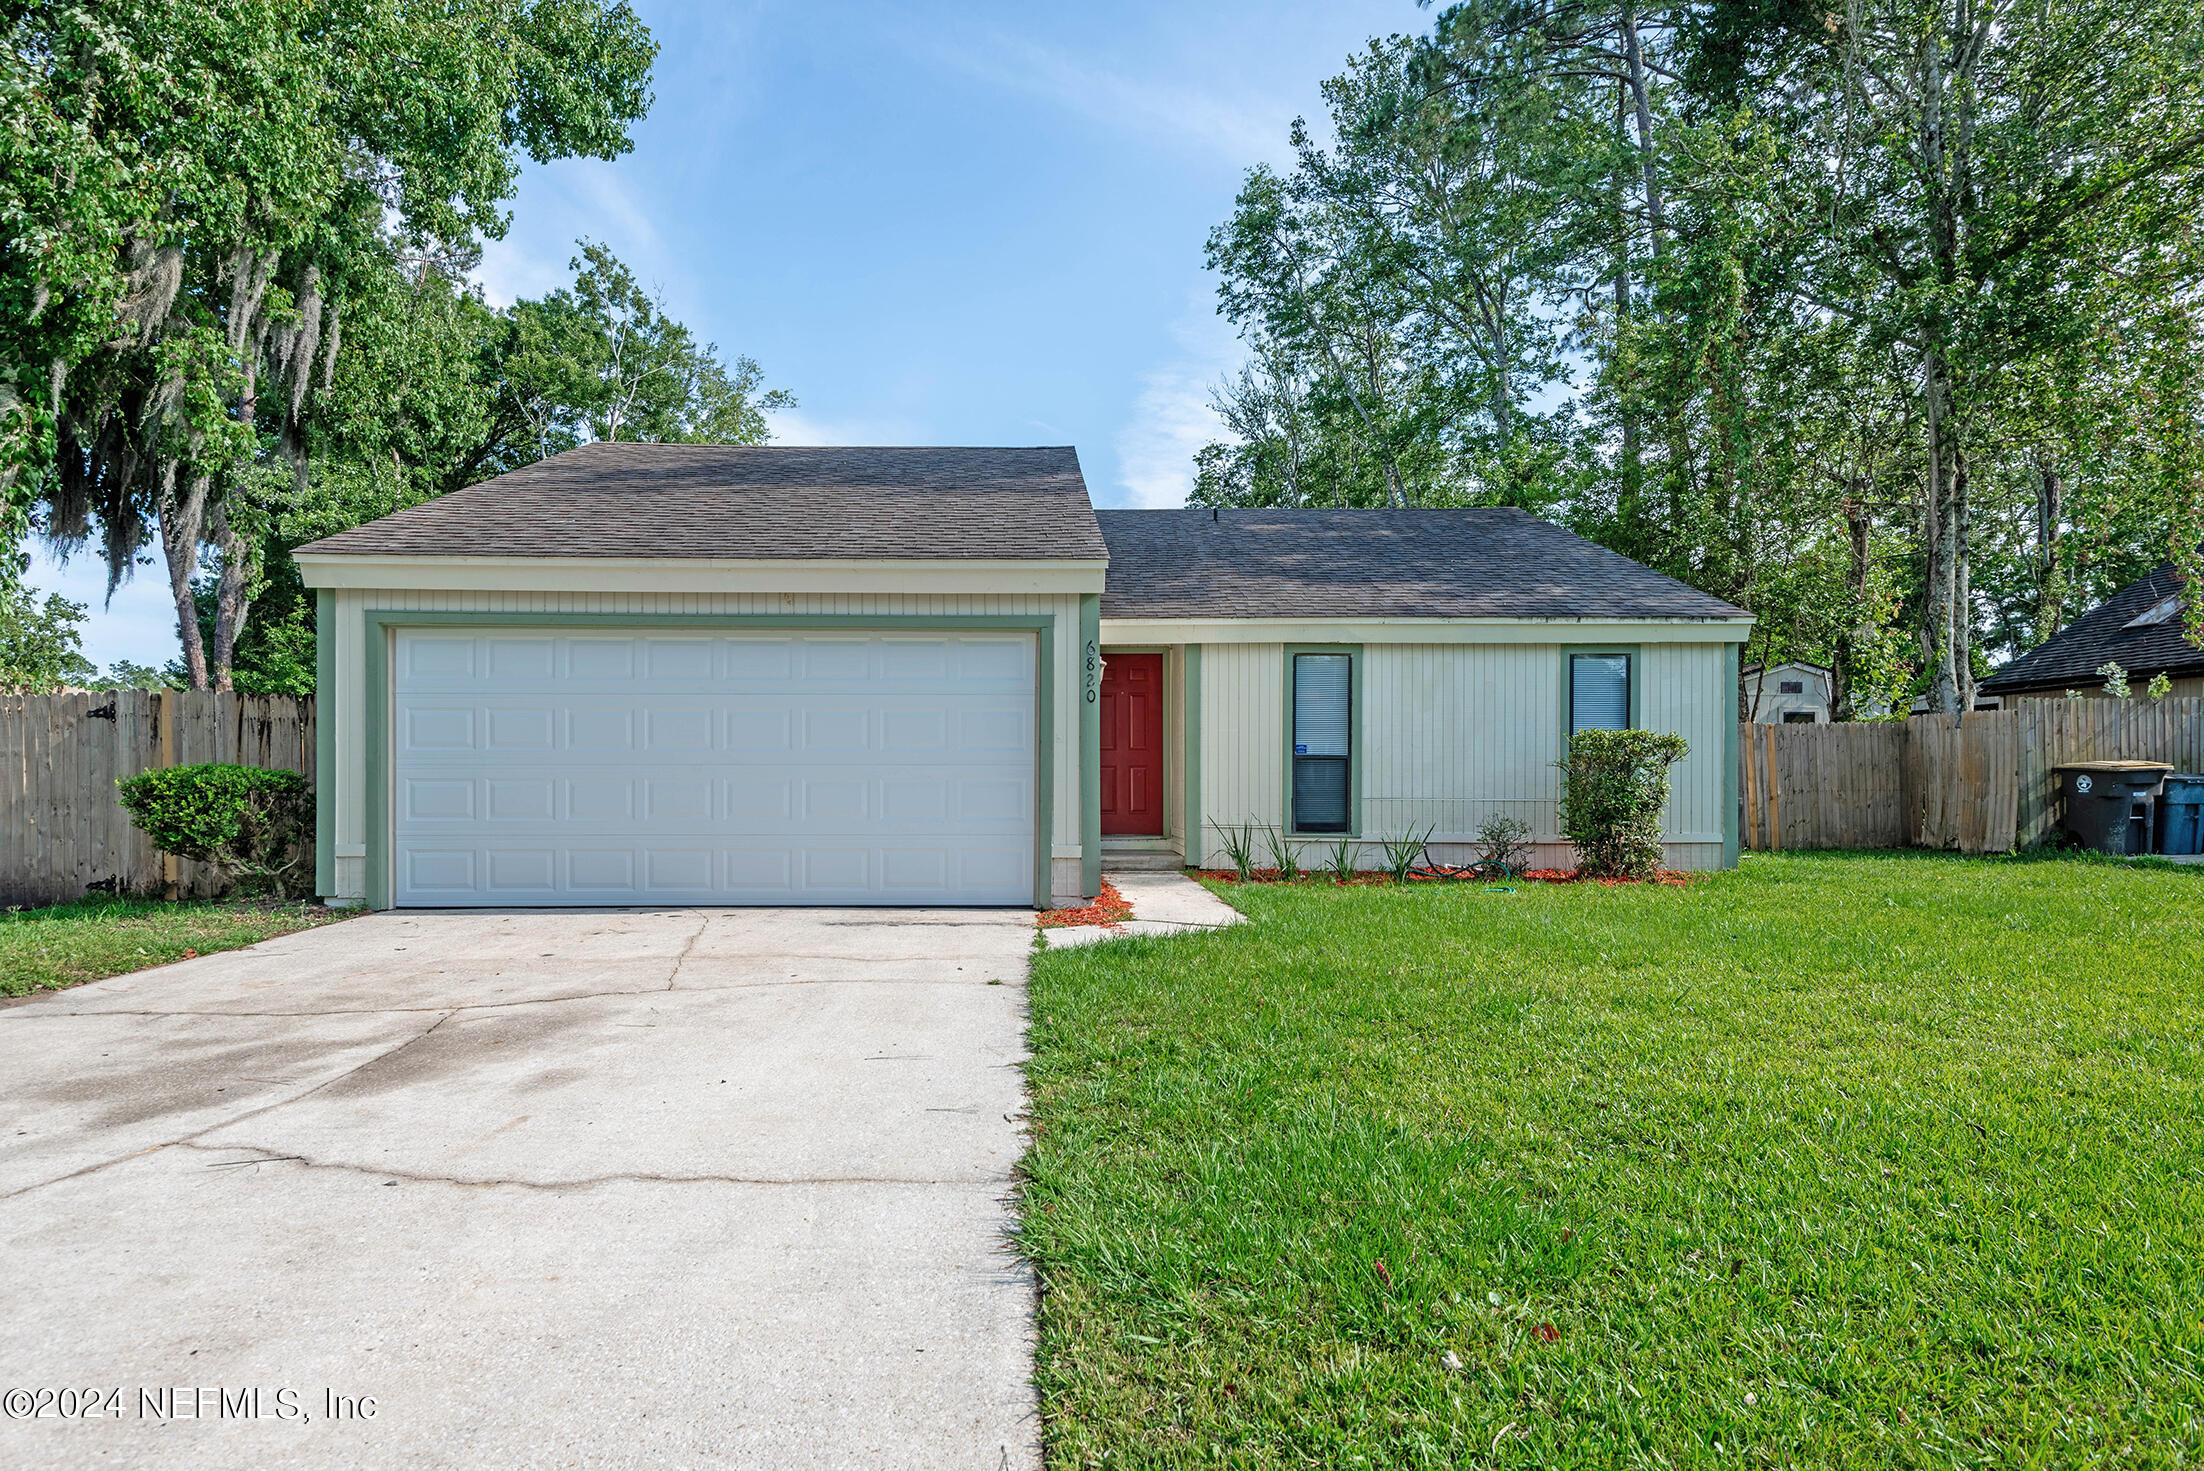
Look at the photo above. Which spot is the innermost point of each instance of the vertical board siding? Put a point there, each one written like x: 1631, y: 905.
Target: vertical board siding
x: 63, y: 834
x: 1687, y: 692
x: 1455, y: 733
x: 352, y: 605
x: 1987, y: 783
x: 1243, y: 740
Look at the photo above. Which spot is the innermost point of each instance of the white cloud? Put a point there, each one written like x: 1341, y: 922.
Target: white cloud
x: 1171, y: 418
x: 562, y: 203
x: 1238, y: 130
x: 510, y: 271
x: 803, y: 427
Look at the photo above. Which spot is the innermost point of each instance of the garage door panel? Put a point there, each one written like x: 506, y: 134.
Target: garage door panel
x: 432, y: 656
x: 599, y: 658
x: 682, y: 660
x: 438, y: 870
x: 521, y: 870
x: 600, y: 799
x: 526, y: 799
x: 754, y: 801
x: 758, y: 730
x: 433, y: 728
x: 834, y: 661
x: 527, y: 728
x: 600, y: 869
x: 914, y: 661
x: 521, y: 658
x: 764, y: 871
x: 612, y: 768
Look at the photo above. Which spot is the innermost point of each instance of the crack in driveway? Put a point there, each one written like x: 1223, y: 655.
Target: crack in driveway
x: 257, y: 1156
x: 653, y: 990
x: 250, y: 1113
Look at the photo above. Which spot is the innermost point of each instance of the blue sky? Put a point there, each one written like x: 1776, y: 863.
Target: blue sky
x: 935, y: 224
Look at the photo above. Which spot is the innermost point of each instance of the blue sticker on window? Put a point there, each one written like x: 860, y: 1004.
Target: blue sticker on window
x: 1300, y: 750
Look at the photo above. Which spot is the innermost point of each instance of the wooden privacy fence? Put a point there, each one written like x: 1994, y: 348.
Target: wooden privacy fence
x: 62, y: 833
x: 1985, y: 784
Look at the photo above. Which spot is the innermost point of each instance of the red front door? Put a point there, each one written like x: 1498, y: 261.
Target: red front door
x: 1132, y: 744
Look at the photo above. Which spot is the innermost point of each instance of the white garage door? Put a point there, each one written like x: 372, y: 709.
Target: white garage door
x: 540, y: 767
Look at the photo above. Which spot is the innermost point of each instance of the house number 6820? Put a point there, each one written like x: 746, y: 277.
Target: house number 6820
x: 1094, y: 671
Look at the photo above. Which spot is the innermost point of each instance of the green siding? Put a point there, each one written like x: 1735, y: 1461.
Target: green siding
x: 325, y: 743
x: 1090, y: 744
x: 1191, y: 819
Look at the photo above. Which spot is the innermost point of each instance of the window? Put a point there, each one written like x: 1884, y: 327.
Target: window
x: 1599, y: 692
x: 1790, y: 687
x: 1798, y: 717
x: 2159, y: 612
x: 1323, y: 735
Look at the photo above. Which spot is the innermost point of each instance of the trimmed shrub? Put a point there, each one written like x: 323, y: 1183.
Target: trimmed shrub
x: 254, y: 825
x: 1503, y: 846
x: 1613, y: 787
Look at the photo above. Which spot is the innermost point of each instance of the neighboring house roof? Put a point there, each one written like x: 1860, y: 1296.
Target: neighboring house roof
x: 742, y: 501
x: 1487, y: 562
x: 1789, y: 664
x: 2135, y: 629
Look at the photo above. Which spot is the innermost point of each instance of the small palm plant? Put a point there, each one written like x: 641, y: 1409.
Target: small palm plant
x: 1405, y: 851
x: 1239, y: 846
x: 1283, y: 860
x: 1341, y: 860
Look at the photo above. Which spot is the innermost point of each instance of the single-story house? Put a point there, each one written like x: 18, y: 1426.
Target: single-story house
x: 2139, y: 629
x: 649, y: 674
x: 1796, y: 693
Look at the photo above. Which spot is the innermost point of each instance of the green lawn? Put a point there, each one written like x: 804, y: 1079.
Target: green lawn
x: 69, y: 944
x: 1837, y: 1160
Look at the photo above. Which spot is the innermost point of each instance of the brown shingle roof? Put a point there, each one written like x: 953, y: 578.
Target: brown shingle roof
x: 2071, y: 658
x: 740, y: 501
x: 1487, y: 562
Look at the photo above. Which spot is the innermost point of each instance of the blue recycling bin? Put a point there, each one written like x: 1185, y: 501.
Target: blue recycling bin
x: 2181, y: 814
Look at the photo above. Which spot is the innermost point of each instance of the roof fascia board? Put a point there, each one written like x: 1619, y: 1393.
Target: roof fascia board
x: 698, y: 574
x: 1425, y: 630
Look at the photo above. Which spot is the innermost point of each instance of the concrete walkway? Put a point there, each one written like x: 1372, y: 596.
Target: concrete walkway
x: 596, y: 1188
x: 1163, y: 904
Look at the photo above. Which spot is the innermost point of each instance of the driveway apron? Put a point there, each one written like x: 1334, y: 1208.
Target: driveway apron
x: 527, y: 1188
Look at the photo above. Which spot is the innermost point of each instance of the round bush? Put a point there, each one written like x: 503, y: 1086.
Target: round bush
x: 1613, y: 787
x: 254, y: 825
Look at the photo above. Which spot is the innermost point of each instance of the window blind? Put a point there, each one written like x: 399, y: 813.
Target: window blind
x: 1323, y: 730
x: 1599, y: 692
x: 1322, y: 685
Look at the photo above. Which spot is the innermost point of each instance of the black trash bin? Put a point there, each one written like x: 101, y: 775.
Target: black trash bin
x: 2181, y: 815
x: 2111, y: 806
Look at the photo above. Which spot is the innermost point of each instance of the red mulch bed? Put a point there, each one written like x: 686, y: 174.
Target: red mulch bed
x: 1109, y: 908
x: 1669, y: 877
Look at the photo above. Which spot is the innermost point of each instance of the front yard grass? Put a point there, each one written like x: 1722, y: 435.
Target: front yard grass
x: 68, y: 944
x: 1836, y: 1160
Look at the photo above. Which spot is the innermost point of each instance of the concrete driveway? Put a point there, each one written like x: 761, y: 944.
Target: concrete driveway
x: 583, y: 1188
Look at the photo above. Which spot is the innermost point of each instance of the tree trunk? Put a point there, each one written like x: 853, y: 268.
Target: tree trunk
x: 232, y: 599
x: 1844, y: 677
x: 2050, y: 568
x: 1656, y: 216
x: 1962, y: 622
x: 1630, y: 491
x: 1939, y: 605
x: 181, y: 521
